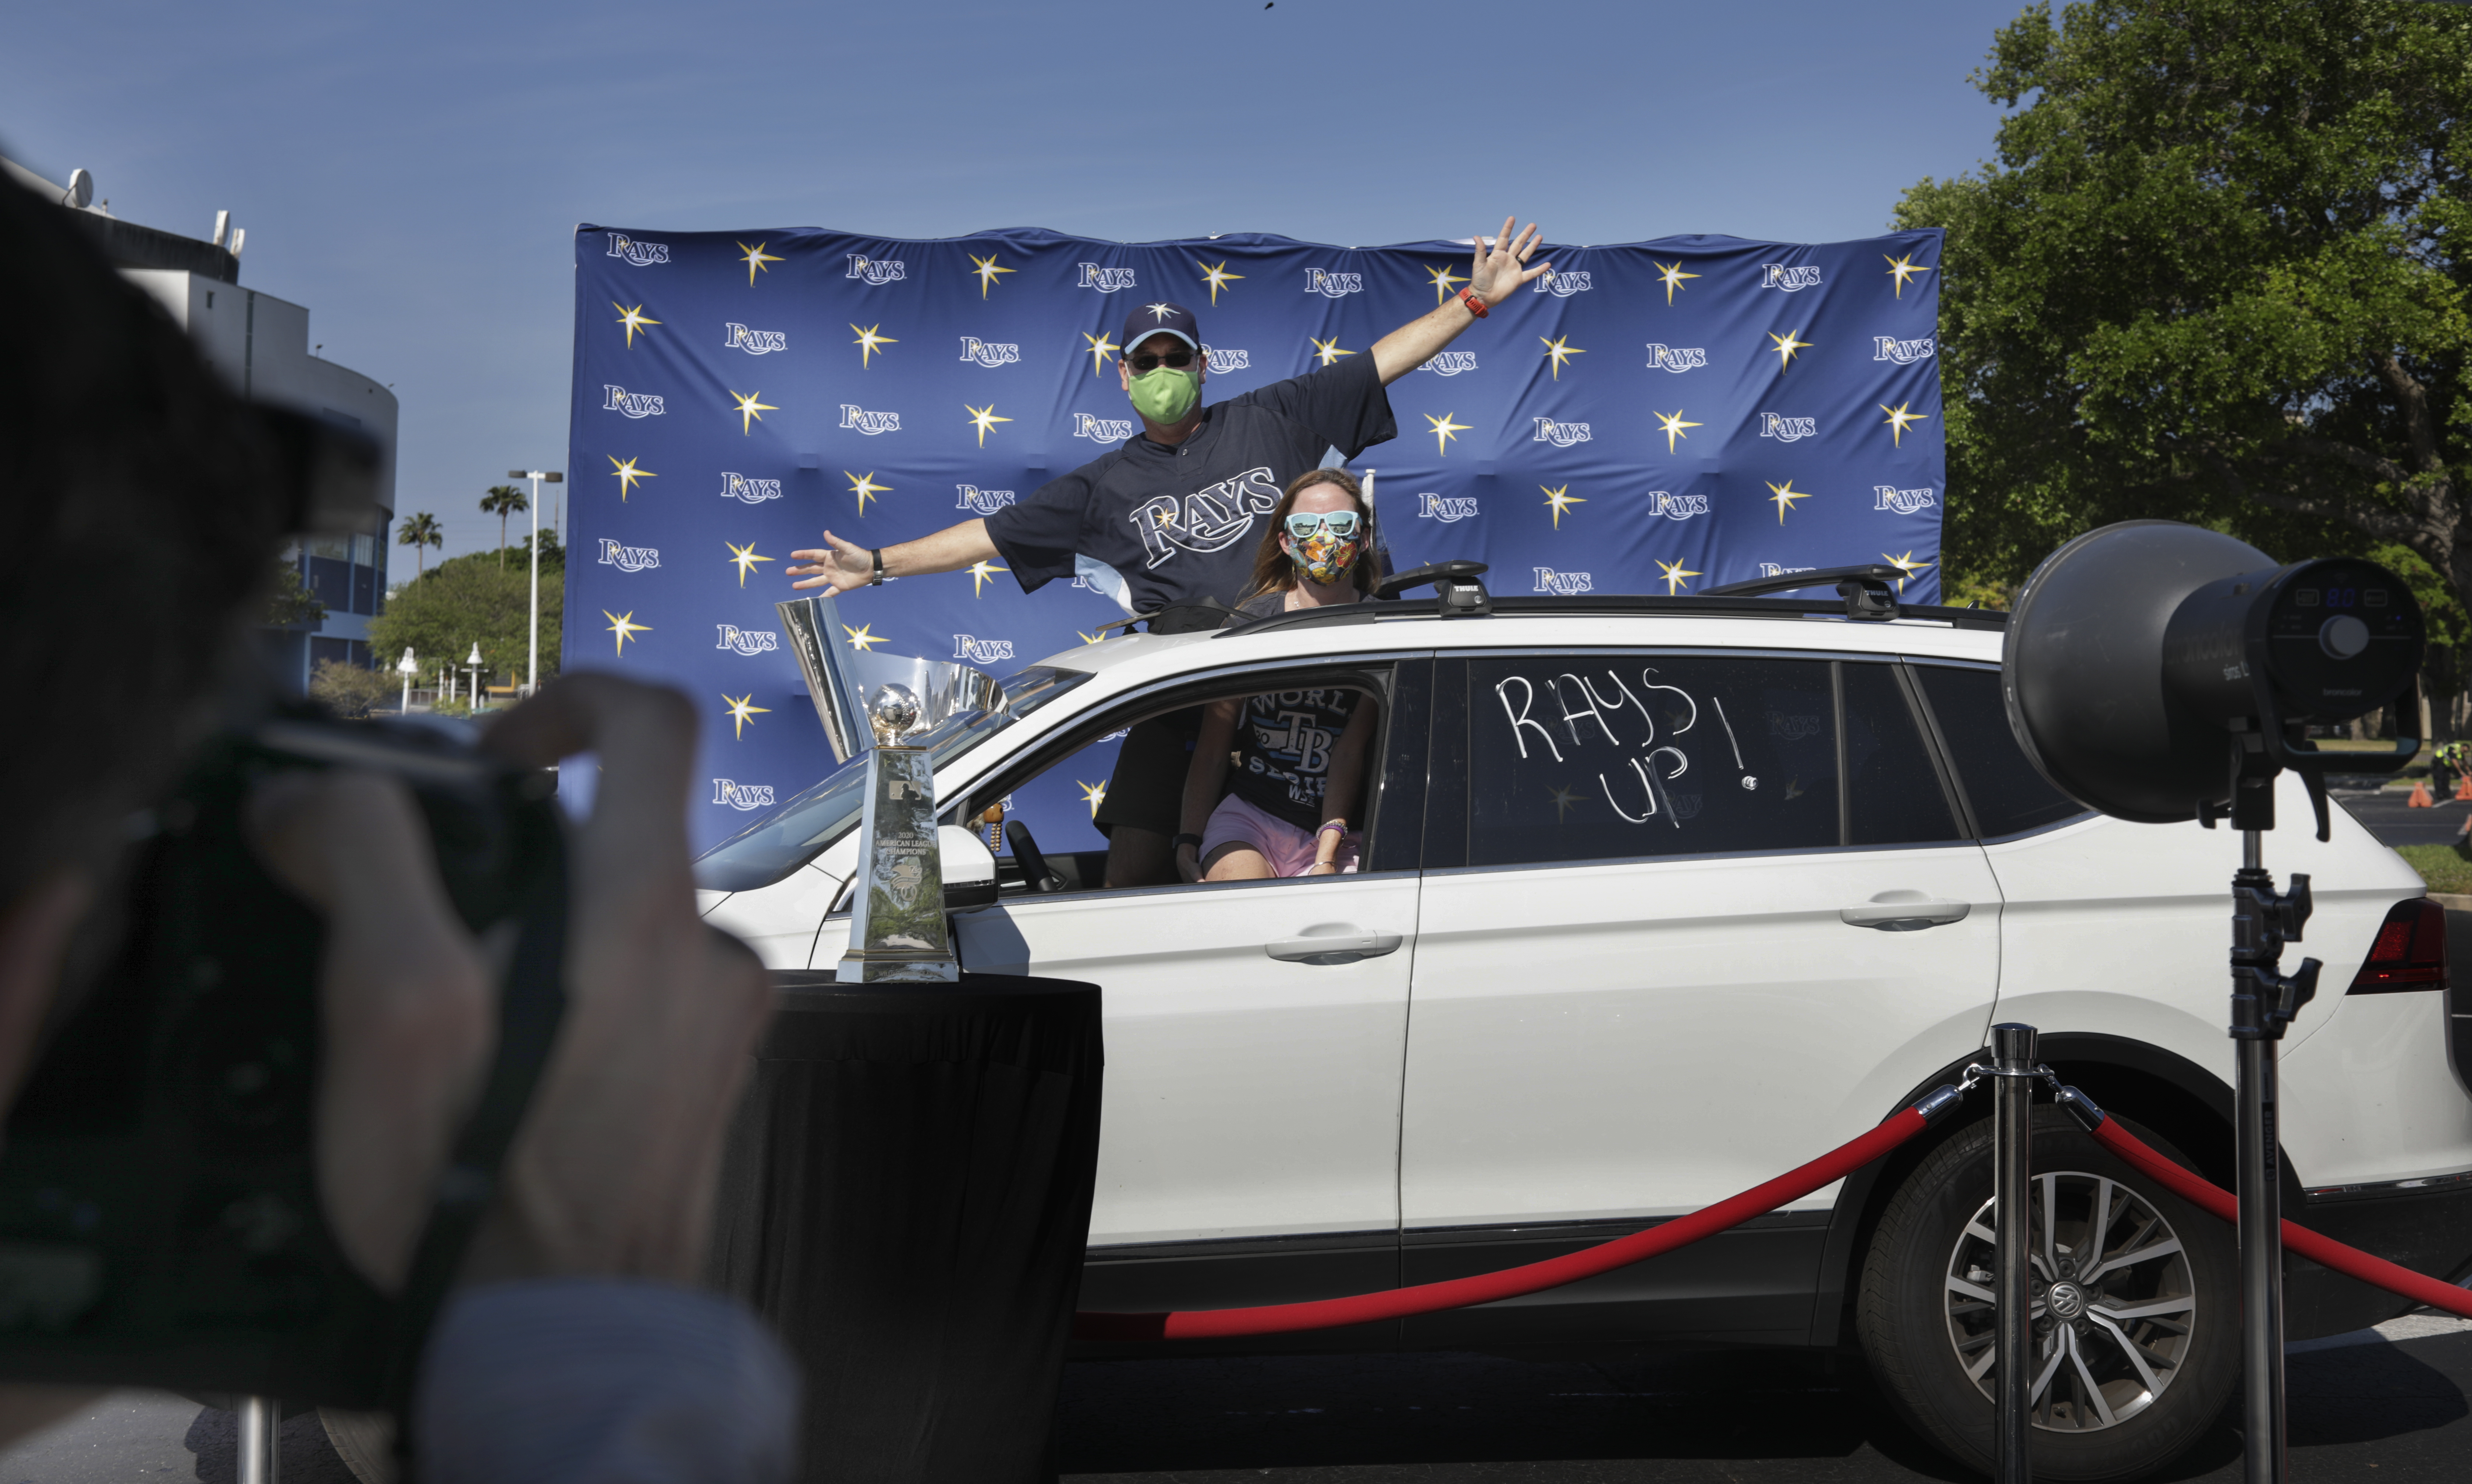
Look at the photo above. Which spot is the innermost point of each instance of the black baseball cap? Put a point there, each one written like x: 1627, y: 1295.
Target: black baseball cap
x: 1161, y: 317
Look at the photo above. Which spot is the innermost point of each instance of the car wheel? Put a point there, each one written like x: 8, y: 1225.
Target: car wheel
x: 2137, y: 1306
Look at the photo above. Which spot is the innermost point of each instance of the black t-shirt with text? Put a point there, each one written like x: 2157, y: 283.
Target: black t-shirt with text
x: 1182, y: 525
x: 1284, y: 741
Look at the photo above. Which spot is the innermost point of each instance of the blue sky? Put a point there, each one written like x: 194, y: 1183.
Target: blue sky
x: 413, y: 173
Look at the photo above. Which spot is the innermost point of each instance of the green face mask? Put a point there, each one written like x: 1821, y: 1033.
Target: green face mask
x: 1166, y: 395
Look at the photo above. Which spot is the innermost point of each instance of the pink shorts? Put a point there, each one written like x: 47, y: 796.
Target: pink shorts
x: 1289, y: 849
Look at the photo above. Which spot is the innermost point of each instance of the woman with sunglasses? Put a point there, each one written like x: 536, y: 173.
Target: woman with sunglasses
x: 1298, y: 755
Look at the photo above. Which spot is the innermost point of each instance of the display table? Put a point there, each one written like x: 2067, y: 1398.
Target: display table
x: 905, y: 1198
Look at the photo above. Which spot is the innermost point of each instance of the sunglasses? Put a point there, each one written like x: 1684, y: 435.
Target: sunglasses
x: 1340, y: 523
x: 1174, y: 360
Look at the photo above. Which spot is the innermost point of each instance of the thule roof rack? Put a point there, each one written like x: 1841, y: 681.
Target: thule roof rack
x: 1869, y: 592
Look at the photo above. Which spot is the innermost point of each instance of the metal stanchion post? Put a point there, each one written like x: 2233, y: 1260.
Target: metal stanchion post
x: 2012, y: 1142
x: 261, y: 1452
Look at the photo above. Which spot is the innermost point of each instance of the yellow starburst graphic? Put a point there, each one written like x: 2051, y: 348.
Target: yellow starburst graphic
x: 756, y: 257
x: 983, y: 573
x: 626, y: 474
x: 871, y: 344
x: 986, y: 270
x: 1559, y: 352
x: 1903, y: 269
x: 751, y: 411
x: 1217, y: 277
x: 984, y: 420
x: 1093, y: 794
x: 626, y: 628
x: 1442, y: 278
x: 863, y: 639
x: 1673, y: 573
x: 1560, y: 499
x: 745, y: 558
x: 1786, y: 344
x: 1444, y: 430
x: 741, y: 710
x: 1091, y: 638
x: 1327, y: 350
x: 1672, y: 426
x: 1098, y: 351
x: 1899, y: 420
x: 1905, y: 565
x: 1673, y: 275
x: 633, y: 318
x: 1783, y: 496
x: 1564, y: 801
x: 864, y: 486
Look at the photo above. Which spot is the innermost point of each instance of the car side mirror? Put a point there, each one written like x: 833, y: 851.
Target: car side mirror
x: 969, y: 868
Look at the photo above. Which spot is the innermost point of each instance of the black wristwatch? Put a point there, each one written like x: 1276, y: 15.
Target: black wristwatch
x: 1181, y: 841
x: 875, y: 554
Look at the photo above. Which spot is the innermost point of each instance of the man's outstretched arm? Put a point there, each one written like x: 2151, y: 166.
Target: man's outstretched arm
x: 1495, y: 274
x: 842, y: 566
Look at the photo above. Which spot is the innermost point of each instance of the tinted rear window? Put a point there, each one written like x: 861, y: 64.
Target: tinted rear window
x: 2008, y: 795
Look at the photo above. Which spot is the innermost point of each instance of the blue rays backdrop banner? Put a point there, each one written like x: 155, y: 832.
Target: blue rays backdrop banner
x: 1658, y: 416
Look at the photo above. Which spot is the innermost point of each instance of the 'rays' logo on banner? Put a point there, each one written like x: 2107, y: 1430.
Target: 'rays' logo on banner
x: 1563, y: 585
x: 869, y: 423
x: 1561, y: 434
x: 1905, y: 502
x: 1675, y: 358
x: 1791, y: 279
x: 748, y: 641
x: 1333, y: 285
x: 1223, y: 361
x: 1787, y: 430
x: 1904, y: 352
x: 738, y: 337
x: 978, y: 651
x: 1106, y: 280
x: 1103, y: 430
x: 1447, y: 508
x: 742, y: 796
x: 1450, y: 363
x: 752, y: 492
x: 1773, y: 569
x: 984, y: 502
x: 1563, y: 285
x: 874, y: 271
x: 635, y: 404
x: 643, y: 255
x: 628, y: 559
x: 1677, y: 507
x: 988, y: 352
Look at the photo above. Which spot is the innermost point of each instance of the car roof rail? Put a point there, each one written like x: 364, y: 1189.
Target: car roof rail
x: 1867, y: 589
x: 1455, y: 588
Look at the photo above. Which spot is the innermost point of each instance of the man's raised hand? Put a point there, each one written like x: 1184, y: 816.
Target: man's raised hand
x: 1498, y: 271
x: 840, y: 566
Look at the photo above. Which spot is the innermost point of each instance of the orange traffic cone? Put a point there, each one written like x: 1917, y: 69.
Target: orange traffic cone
x: 2420, y: 799
x: 2463, y: 787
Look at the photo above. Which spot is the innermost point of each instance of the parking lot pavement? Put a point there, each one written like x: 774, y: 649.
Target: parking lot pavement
x: 2394, y: 822
x: 2393, y: 1402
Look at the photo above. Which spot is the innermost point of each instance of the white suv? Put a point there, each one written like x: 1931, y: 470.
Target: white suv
x: 1661, y: 897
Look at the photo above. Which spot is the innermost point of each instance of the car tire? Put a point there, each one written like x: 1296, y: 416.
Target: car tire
x: 1922, y: 1324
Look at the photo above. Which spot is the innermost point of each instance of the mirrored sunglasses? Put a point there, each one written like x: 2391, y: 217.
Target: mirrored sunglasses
x: 1341, y: 523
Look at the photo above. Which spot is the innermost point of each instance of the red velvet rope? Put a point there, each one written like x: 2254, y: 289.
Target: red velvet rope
x: 1508, y: 1282
x: 2325, y: 1251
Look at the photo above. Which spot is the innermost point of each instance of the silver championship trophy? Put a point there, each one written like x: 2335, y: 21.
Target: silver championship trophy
x: 897, y: 933
x: 841, y: 678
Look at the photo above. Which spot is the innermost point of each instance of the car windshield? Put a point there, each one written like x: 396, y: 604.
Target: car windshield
x: 800, y: 830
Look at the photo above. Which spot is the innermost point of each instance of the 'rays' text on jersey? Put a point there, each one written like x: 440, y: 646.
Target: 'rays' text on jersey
x: 984, y: 502
x: 978, y: 651
x: 749, y: 641
x: 869, y: 423
x: 1223, y: 361
x: 628, y: 559
x: 738, y: 337
x: 1102, y: 430
x: 1904, y: 352
x: 1106, y: 280
x: 742, y: 796
x: 1450, y: 363
x: 874, y: 270
x: 1786, y: 430
x: 1561, y: 434
x: 1448, y: 508
x: 1563, y: 285
x: 1675, y: 358
x: 990, y: 353
x: 1563, y: 585
x: 635, y: 404
x: 1331, y: 285
x: 643, y: 255
x: 1905, y: 502
x: 1206, y: 519
x: 752, y: 491
x: 1791, y: 277
x: 1677, y: 507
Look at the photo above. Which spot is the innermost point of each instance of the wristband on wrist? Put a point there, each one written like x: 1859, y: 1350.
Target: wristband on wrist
x: 1183, y: 840
x: 875, y: 554
x: 1475, y: 305
x: 1330, y: 825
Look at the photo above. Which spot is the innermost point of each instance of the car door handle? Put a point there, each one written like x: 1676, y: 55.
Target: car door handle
x: 1327, y: 943
x: 1903, y: 912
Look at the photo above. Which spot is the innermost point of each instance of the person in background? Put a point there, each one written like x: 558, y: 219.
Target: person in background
x: 1290, y: 809
x: 1161, y: 520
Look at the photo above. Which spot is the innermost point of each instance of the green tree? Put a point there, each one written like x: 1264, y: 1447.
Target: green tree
x: 473, y: 598
x: 2212, y: 276
x: 350, y: 690
x: 290, y: 604
x: 502, y: 501
x: 420, y: 530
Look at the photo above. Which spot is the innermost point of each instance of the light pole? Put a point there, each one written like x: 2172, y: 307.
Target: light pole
x: 538, y: 477
x: 473, y: 664
x: 407, y: 667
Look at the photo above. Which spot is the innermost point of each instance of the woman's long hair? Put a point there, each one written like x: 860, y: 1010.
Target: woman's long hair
x: 1274, y: 571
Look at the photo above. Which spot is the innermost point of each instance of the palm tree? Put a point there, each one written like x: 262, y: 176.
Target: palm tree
x: 420, y: 532
x: 502, y: 501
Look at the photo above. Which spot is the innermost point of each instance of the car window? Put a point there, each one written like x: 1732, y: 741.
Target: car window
x: 801, y: 828
x: 2006, y: 794
x: 1892, y: 789
x: 1602, y: 756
